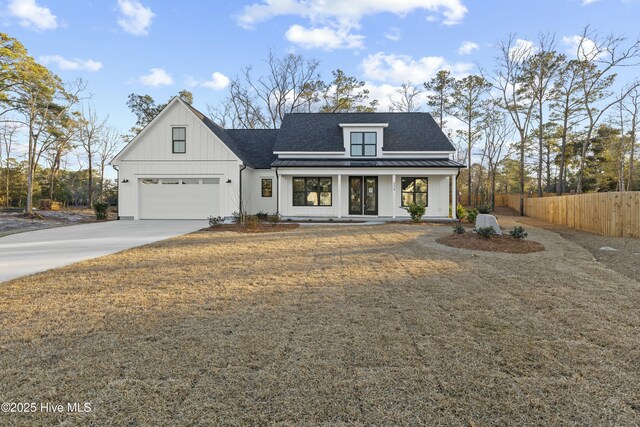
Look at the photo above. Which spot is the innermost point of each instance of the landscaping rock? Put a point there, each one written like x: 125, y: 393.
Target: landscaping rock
x: 485, y: 220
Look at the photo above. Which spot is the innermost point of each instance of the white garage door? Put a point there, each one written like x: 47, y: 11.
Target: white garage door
x: 179, y: 198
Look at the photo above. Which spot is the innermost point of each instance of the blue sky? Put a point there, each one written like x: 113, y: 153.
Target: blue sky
x: 160, y: 47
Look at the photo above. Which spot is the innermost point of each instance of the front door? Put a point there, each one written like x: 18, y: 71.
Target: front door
x: 363, y: 195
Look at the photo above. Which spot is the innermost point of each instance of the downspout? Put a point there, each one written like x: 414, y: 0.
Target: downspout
x: 456, y: 195
x: 118, y: 181
x: 278, y: 194
x: 240, y: 184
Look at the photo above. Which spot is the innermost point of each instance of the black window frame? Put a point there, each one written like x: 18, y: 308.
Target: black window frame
x: 363, y: 144
x: 414, y: 192
x: 317, y: 190
x: 174, y: 140
x: 262, y: 187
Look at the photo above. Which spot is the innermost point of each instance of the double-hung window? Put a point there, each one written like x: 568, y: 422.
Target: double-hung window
x: 267, y: 187
x: 179, y: 140
x: 414, y: 190
x: 312, y: 191
x: 363, y: 144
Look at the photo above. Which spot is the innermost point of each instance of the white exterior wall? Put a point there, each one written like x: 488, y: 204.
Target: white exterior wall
x: 252, y: 190
x: 150, y: 156
x: 388, y: 206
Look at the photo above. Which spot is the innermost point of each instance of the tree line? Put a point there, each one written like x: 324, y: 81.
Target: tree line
x: 46, y: 125
x: 536, y: 121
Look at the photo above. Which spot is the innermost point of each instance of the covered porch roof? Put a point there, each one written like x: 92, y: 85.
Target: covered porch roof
x: 367, y: 163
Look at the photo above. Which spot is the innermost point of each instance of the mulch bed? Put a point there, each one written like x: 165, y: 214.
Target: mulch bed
x: 502, y: 243
x: 262, y: 228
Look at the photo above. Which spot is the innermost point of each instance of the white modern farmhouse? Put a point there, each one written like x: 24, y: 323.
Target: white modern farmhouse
x: 342, y: 165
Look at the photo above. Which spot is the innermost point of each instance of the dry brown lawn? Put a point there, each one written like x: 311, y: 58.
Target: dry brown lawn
x: 365, y: 325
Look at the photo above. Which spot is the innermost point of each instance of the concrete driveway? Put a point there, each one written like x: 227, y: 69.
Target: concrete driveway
x: 36, y: 251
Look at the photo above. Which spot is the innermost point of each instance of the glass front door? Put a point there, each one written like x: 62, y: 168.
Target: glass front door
x: 363, y: 195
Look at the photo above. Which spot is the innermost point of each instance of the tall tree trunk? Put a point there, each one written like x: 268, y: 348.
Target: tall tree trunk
x: 469, y: 163
x: 523, y: 140
x: 90, y: 195
x: 632, y: 135
x: 30, y: 171
x: 540, y: 146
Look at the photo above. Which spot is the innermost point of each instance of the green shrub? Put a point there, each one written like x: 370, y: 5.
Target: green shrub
x: 215, y: 221
x: 471, y: 215
x: 251, y: 222
x: 235, y: 217
x: 461, y: 212
x: 483, y: 208
x: 458, y: 228
x: 275, y: 219
x: 485, y: 232
x: 415, y: 211
x: 100, y: 209
x: 518, y: 232
x: 262, y: 215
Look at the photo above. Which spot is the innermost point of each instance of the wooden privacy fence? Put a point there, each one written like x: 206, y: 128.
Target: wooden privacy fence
x: 613, y: 214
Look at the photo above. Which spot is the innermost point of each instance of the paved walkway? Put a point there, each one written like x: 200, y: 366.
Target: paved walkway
x: 40, y: 250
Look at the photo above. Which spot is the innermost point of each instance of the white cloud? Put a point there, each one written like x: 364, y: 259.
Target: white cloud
x: 325, y: 38
x: 134, y: 17
x: 397, y: 69
x: 393, y: 34
x: 586, y: 50
x: 333, y: 20
x: 522, y: 49
x: 452, y: 11
x: 156, y: 77
x: 588, y: 2
x: 71, y: 64
x: 32, y: 15
x: 218, y: 81
x: 467, y: 48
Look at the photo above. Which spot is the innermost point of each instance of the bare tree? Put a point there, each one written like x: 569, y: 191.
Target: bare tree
x: 109, y: 141
x: 64, y: 133
x: 541, y: 68
x: 408, y: 99
x: 290, y: 85
x: 8, y: 132
x: 632, y: 106
x: 516, y: 99
x: 497, y: 129
x: 89, y: 134
x: 599, y: 57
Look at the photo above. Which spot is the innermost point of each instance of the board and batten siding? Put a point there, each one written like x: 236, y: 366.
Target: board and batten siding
x: 438, y: 195
x: 151, y: 156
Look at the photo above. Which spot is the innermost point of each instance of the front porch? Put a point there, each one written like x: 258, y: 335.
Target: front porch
x: 365, y: 194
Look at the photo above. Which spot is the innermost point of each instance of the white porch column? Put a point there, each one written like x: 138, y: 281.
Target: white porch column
x: 393, y: 197
x: 339, y: 196
x: 279, y: 194
x: 454, y: 197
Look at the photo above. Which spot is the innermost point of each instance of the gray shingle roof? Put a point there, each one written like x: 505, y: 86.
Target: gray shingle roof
x: 256, y: 146
x: 321, y: 131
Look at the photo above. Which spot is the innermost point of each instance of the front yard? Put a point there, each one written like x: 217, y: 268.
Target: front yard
x: 371, y: 325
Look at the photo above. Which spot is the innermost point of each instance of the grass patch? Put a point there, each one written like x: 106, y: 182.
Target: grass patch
x: 325, y: 326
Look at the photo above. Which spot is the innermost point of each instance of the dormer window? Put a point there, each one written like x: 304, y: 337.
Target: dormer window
x: 179, y: 140
x: 363, y: 144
